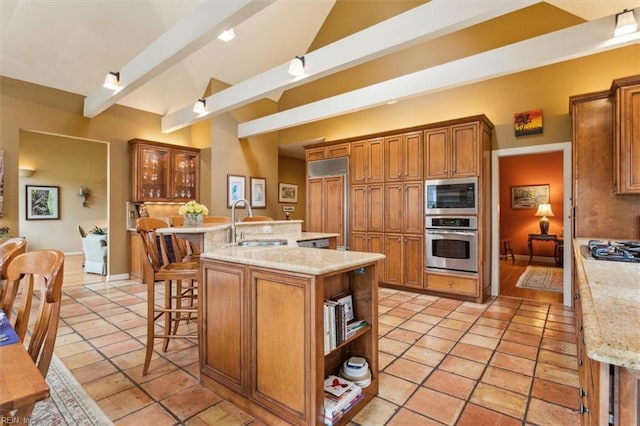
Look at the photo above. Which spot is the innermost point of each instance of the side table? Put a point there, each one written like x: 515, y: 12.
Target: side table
x: 540, y: 237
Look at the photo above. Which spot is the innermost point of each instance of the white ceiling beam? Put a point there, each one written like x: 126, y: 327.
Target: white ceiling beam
x: 570, y: 43
x: 183, y: 39
x: 429, y: 21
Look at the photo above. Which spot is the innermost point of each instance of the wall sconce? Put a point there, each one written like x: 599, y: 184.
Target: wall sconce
x: 296, y: 67
x: 200, y: 106
x: 625, y: 23
x: 544, y: 210
x: 26, y: 172
x: 84, y: 194
x: 112, y: 80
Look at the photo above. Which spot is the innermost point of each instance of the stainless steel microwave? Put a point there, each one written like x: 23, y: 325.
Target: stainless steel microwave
x: 451, y: 196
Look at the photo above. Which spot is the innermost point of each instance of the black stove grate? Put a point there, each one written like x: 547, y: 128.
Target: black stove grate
x: 620, y: 251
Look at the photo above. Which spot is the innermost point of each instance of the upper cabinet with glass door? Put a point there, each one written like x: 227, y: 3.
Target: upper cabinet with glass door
x: 162, y: 172
x: 185, y: 175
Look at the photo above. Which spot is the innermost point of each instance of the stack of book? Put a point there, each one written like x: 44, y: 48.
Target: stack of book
x: 339, y: 396
x: 337, y: 324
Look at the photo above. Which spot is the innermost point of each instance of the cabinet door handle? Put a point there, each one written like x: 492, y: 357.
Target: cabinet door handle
x: 582, y: 409
x: 582, y: 393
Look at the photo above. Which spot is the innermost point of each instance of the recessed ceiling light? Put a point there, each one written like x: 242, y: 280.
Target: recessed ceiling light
x: 227, y: 35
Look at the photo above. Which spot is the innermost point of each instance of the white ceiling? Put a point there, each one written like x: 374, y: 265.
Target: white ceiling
x: 71, y: 45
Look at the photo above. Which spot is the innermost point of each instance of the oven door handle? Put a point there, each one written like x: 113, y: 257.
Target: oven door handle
x: 462, y: 233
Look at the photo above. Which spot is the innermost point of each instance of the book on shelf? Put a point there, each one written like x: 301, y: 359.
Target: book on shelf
x: 337, y: 326
x: 339, y: 395
x: 346, y: 300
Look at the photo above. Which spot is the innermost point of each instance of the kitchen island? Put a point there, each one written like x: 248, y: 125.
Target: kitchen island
x: 262, y: 334
x: 607, y: 311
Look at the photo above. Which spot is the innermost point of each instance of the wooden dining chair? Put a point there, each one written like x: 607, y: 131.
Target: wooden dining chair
x: 8, y: 251
x: 180, y: 285
x: 41, y: 271
x: 257, y: 219
x: 176, y: 221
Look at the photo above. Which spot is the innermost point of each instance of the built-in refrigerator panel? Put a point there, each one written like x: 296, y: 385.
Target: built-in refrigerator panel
x: 335, y: 167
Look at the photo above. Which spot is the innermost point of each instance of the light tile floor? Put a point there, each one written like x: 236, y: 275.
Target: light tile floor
x: 442, y: 361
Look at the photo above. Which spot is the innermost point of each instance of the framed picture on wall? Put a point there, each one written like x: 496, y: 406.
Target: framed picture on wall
x: 43, y: 202
x: 235, y: 190
x: 528, y: 197
x: 258, y: 192
x: 287, y: 193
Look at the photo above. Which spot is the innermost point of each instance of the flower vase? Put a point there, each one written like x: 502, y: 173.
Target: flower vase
x: 192, y: 220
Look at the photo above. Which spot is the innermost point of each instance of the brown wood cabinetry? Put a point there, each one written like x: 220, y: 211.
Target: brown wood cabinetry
x: 136, y: 257
x: 404, y: 262
x: 262, y: 338
x: 452, y: 284
x: 599, y: 152
x: 452, y: 151
x: 627, y: 135
x: 394, y: 165
x: 325, y: 206
x: 608, y: 394
x: 403, y: 157
x: 368, y: 212
x: 404, y: 210
x: 162, y: 172
x: 328, y: 151
x: 370, y: 242
x: 367, y: 161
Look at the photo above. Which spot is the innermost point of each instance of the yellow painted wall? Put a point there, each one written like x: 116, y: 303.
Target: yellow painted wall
x: 68, y: 164
x: 293, y: 171
x: 32, y: 108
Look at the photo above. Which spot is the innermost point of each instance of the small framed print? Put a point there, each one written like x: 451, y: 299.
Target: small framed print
x: 527, y: 123
x: 43, y: 202
x: 235, y: 190
x: 287, y: 193
x: 258, y: 192
x: 528, y: 197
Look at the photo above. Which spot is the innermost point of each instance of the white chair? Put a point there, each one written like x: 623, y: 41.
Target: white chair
x: 95, y: 254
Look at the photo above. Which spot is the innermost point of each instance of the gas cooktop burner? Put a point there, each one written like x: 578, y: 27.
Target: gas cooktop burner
x: 621, y: 251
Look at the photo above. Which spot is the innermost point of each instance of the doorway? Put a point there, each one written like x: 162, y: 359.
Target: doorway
x: 68, y: 164
x: 564, y: 256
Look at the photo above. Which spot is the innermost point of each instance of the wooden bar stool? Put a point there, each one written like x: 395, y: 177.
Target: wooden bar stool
x: 506, y: 249
x: 180, y: 285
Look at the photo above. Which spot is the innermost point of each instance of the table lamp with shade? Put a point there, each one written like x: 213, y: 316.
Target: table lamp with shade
x: 544, y: 210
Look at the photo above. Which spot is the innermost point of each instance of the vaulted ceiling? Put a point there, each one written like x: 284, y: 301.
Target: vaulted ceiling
x: 168, y: 51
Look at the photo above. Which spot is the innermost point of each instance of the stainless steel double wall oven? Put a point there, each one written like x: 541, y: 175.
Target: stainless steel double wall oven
x: 451, y: 224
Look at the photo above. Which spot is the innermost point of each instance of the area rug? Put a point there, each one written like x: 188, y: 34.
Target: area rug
x: 69, y: 404
x: 547, y: 278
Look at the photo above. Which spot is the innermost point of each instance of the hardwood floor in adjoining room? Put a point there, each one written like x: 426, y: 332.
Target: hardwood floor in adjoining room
x: 510, y: 271
x: 74, y: 272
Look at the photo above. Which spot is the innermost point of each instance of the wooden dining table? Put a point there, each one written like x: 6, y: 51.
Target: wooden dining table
x: 20, y: 380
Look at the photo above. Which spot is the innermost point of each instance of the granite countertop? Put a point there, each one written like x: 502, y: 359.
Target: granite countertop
x: 610, y: 301
x: 294, y: 259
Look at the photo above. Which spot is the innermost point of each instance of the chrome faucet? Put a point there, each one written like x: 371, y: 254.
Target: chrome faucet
x: 233, y: 216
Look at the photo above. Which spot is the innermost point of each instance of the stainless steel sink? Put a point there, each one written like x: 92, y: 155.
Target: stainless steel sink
x: 258, y: 243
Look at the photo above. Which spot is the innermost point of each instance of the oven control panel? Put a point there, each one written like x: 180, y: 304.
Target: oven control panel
x: 452, y: 222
